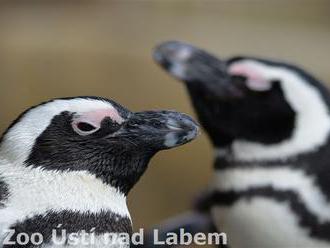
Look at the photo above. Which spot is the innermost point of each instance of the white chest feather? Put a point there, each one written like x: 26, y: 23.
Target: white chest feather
x: 279, y: 178
x: 34, y: 191
x: 265, y: 221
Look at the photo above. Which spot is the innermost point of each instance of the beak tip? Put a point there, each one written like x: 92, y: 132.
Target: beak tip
x: 157, y: 55
x: 174, y: 51
x: 181, y: 129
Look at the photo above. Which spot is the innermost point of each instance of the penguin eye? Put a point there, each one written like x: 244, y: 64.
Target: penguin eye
x: 84, y: 128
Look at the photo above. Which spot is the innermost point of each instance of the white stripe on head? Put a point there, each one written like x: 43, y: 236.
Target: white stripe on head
x: 19, y: 140
x: 312, y: 124
x: 280, y: 178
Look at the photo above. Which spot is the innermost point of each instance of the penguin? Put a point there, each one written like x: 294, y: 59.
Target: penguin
x: 67, y: 165
x: 269, y: 124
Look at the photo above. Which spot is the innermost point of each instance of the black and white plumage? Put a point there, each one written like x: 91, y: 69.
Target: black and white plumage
x: 72, y: 161
x: 269, y: 123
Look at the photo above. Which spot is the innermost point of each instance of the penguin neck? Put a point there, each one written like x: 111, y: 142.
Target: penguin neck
x: 122, y: 172
x: 42, y: 190
x: 311, y: 133
x: 116, y: 167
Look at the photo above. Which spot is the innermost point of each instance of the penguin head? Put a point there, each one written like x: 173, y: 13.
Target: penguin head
x: 96, y: 135
x: 250, y: 100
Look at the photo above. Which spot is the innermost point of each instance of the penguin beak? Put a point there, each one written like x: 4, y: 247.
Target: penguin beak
x: 162, y: 129
x: 197, y: 67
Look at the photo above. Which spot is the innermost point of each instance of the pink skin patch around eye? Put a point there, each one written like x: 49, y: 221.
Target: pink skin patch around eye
x: 96, y: 117
x: 256, y: 80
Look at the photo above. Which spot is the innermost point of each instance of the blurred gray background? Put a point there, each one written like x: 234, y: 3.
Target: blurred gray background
x: 67, y: 48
